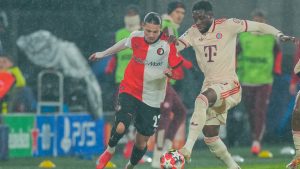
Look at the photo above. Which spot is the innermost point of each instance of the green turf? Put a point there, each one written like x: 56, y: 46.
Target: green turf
x: 200, y: 160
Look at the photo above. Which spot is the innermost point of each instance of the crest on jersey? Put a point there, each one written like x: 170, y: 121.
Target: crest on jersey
x: 219, y: 35
x: 160, y: 51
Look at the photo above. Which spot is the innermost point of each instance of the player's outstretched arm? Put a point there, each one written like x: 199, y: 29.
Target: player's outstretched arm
x: 112, y: 50
x: 268, y: 29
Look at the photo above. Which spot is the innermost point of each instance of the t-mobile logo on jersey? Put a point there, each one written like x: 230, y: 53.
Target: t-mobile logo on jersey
x: 210, y: 52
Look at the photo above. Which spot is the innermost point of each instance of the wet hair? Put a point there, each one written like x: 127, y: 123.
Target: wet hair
x: 133, y: 8
x: 202, y: 5
x: 174, y: 5
x: 152, y: 17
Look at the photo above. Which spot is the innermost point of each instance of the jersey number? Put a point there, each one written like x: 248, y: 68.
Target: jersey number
x: 156, y: 118
x: 210, y: 51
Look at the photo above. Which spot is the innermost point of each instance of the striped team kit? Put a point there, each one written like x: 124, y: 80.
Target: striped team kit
x: 144, y: 76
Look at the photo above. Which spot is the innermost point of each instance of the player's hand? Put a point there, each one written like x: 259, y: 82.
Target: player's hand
x: 173, y: 39
x: 168, y: 72
x: 285, y: 38
x: 96, y: 56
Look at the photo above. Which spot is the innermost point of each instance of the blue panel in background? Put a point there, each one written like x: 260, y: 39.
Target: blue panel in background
x: 46, y: 135
x: 78, y: 134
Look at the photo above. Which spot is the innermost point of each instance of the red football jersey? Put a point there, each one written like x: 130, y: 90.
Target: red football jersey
x: 144, y: 76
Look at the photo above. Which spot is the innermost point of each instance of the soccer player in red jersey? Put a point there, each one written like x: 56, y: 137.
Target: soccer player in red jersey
x: 143, y: 88
x: 214, y: 42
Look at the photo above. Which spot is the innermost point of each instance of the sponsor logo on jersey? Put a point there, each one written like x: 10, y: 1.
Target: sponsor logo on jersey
x: 154, y: 63
x: 146, y: 62
x: 160, y: 51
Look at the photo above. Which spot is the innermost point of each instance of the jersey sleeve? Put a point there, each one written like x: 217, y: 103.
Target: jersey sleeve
x: 129, y: 39
x: 262, y: 28
x: 174, y: 60
x: 186, y: 39
x: 237, y: 25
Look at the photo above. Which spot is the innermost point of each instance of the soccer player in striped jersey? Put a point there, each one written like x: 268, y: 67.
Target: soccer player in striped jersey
x: 214, y: 42
x: 143, y: 88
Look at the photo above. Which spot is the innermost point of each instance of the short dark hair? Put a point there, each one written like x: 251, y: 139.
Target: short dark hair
x: 133, y: 8
x: 152, y: 17
x: 202, y: 5
x: 174, y: 5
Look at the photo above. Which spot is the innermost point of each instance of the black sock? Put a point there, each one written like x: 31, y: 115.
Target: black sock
x: 114, y: 138
x: 137, y: 155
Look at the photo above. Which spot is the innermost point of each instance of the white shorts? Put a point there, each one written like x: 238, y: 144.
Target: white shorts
x: 228, y: 95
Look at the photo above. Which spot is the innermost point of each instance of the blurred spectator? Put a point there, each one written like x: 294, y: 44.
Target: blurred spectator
x: 20, y: 97
x: 132, y: 23
x: 259, y: 59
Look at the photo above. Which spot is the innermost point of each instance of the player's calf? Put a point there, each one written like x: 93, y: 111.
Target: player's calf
x: 219, y: 149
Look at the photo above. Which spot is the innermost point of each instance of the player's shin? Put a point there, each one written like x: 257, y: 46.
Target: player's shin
x: 136, y: 156
x: 219, y: 149
x: 197, y: 122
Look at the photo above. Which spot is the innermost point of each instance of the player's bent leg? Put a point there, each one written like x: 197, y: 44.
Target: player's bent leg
x: 197, y: 122
x: 196, y: 125
x: 217, y: 147
x: 117, y: 132
x: 106, y: 156
x: 138, y: 151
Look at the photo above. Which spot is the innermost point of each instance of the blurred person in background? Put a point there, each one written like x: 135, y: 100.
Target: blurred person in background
x: 132, y: 23
x: 20, y: 97
x: 214, y: 42
x: 258, y: 59
x: 173, y: 112
x: 143, y: 87
x: 295, y: 163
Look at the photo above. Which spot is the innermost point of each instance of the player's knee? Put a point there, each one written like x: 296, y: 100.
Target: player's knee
x: 121, y: 128
x: 211, y: 96
x: 122, y: 122
x: 211, y: 130
x: 201, y: 101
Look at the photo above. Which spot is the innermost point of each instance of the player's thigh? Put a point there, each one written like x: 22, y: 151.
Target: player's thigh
x: 230, y: 96
x: 211, y: 130
x: 147, y: 119
x: 126, y: 109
